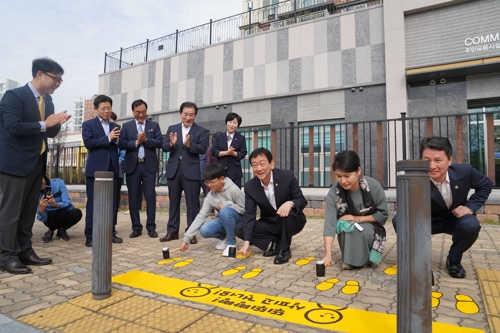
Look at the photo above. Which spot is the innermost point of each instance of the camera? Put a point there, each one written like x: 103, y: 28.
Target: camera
x: 47, y: 192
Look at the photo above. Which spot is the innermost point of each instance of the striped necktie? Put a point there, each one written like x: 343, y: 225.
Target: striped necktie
x: 40, y: 108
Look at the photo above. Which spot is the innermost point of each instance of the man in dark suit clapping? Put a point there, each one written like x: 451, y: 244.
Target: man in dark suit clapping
x: 26, y: 120
x: 141, y: 137
x: 277, y: 194
x: 100, y: 136
x: 185, y: 142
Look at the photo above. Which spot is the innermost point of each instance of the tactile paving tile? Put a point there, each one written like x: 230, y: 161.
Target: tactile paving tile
x: 259, y: 328
x: 490, y: 275
x: 133, y: 328
x: 94, y: 323
x: 215, y: 323
x: 132, y: 308
x: 489, y: 283
x: 55, y: 316
x: 171, y: 318
x: 86, y: 301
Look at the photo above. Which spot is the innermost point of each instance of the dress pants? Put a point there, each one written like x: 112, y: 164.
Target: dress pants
x: 191, y: 189
x: 18, y: 202
x: 148, y: 179
x: 266, y: 231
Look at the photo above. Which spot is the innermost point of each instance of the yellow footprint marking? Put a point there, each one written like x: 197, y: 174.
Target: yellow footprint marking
x: 327, y: 285
x: 167, y: 261
x: 436, y: 295
x: 183, y: 263
x: 240, y: 256
x: 351, y: 287
x: 233, y: 270
x: 391, y: 270
x: 304, y: 261
x: 466, y: 304
x: 253, y: 273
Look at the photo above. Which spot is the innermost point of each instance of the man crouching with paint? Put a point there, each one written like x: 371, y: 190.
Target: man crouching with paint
x: 229, y: 202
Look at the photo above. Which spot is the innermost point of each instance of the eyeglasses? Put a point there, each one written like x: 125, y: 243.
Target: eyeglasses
x: 55, y: 78
x: 212, y: 182
x: 105, y: 108
x: 141, y: 112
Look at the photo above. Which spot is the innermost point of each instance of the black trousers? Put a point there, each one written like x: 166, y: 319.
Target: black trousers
x: 63, y: 219
x: 266, y: 231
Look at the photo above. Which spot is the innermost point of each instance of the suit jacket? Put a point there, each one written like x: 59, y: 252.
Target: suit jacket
x: 231, y: 163
x: 128, y: 137
x: 20, y: 134
x: 463, y: 178
x: 100, y: 150
x: 286, y: 188
x: 191, y: 156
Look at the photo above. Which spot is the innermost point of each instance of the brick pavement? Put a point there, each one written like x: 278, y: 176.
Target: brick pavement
x: 70, y: 275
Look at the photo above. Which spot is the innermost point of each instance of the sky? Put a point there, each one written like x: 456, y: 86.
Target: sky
x: 76, y: 34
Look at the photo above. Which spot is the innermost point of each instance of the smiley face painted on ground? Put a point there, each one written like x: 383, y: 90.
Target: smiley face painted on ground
x: 323, y: 315
x: 198, y: 291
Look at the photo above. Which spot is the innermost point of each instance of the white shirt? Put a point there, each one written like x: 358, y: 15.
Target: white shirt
x: 445, y: 190
x: 269, y: 191
x: 185, y: 132
x: 229, y: 138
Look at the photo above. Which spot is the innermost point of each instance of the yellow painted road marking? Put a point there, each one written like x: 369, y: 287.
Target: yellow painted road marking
x: 391, y: 270
x: 301, y: 312
x: 351, y: 287
x: 436, y: 295
x: 168, y: 261
x: 253, y: 273
x: 304, y: 261
x: 183, y: 263
x: 233, y: 270
x: 240, y: 256
x: 327, y: 285
x: 466, y: 304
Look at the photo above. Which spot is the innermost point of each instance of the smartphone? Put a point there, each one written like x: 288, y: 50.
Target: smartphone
x: 47, y: 192
x: 118, y: 126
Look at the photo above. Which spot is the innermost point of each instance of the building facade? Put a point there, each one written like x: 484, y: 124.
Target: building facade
x: 327, y: 75
x: 7, y: 84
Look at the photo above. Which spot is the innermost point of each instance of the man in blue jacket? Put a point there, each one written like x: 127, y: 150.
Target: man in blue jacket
x: 27, y: 118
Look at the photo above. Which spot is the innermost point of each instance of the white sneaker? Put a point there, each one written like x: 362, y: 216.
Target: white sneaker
x: 221, y: 245
x: 226, y: 251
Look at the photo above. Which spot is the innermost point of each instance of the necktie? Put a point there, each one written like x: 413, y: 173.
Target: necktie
x: 141, y: 148
x: 40, y: 108
x: 228, y: 141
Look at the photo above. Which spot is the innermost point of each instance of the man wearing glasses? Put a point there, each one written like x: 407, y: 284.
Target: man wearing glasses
x: 229, y: 202
x: 100, y: 136
x: 27, y: 118
x: 140, y: 138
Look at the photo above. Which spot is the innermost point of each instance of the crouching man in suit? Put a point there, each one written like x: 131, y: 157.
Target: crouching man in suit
x: 451, y: 212
x: 277, y: 194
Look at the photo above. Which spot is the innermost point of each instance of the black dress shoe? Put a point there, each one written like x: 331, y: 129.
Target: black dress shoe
x: 455, y: 270
x: 135, y: 233
x: 88, y: 242
x: 117, y: 239
x: 34, y: 260
x: 193, y: 240
x: 152, y: 234
x: 15, y: 267
x: 283, y: 257
x: 169, y: 237
x: 272, y: 251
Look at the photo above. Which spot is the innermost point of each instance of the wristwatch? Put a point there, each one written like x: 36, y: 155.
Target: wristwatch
x: 293, y: 205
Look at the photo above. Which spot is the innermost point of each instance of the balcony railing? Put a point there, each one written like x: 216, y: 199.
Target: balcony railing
x: 214, y: 32
x: 308, y: 149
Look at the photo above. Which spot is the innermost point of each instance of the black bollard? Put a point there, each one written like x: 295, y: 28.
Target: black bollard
x: 414, y: 246
x: 102, y: 230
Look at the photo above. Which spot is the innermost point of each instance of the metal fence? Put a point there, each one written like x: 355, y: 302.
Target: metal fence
x: 308, y: 149
x: 253, y: 21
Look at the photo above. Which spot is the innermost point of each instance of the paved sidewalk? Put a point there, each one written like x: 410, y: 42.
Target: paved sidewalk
x: 369, y: 292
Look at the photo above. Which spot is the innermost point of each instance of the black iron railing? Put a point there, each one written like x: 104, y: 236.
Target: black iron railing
x: 253, y: 21
x: 308, y: 149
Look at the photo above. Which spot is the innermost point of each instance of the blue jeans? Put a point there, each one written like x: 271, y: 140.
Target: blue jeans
x: 222, y: 225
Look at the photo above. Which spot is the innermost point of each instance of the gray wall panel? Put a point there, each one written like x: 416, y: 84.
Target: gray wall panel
x: 295, y: 75
x: 228, y: 57
x: 282, y: 45
x: 333, y: 34
x: 362, y: 21
x: 348, y: 66
x: 115, y: 83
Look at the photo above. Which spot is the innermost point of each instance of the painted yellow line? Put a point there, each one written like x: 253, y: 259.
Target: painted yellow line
x: 306, y: 313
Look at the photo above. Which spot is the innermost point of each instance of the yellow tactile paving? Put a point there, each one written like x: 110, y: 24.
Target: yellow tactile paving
x: 259, y: 328
x: 132, y: 308
x: 490, y: 275
x: 133, y: 328
x: 86, y: 301
x: 93, y: 323
x: 171, y: 318
x: 55, y: 316
x: 215, y: 323
x: 489, y: 284
x: 494, y: 323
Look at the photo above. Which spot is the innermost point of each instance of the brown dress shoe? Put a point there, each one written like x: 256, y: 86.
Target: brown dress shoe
x: 15, y: 267
x: 169, y: 237
x: 193, y: 240
x: 34, y: 260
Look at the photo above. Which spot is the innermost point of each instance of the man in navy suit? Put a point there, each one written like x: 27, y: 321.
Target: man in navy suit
x: 185, y: 142
x: 451, y: 212
x: 230, y: 148
x: 26, y: 120
x: 277, y: 194
x: 99, y: 136
x: 141, y: 137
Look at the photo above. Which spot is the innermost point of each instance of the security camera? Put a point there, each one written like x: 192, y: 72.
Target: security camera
x: 442, y: 81
x: 217, y: 107
x: 432, y: 82
x: 353, y: 89
x: 150, y: 117
x: 225, y: 106
x: 361, y: 88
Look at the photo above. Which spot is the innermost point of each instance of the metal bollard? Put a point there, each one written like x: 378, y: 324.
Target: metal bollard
x: 414, y: 246
x: 102, y: 230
